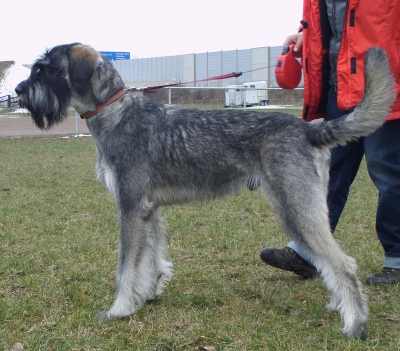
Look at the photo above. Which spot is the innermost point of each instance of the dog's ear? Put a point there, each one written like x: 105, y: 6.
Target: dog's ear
x: 82, y: 63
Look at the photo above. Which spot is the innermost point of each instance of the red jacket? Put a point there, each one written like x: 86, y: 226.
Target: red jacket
x: 367, y: 23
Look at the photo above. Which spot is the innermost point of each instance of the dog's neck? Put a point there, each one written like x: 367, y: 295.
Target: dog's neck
x: 113, y: 98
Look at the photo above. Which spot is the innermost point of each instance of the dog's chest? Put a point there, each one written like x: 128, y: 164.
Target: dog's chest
x: 105, y: 173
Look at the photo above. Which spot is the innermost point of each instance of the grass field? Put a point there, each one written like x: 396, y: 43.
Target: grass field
x: 58, y: 254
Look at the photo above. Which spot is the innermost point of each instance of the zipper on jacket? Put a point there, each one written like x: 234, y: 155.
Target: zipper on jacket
x: 353, y: 65
x: 351, y: 21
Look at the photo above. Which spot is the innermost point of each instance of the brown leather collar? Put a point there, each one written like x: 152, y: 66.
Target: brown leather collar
x: 116, y: 96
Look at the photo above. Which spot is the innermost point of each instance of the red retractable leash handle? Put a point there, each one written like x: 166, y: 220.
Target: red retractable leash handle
x: 287, y: 69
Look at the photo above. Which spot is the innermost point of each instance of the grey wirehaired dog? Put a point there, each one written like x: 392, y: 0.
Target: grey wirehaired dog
x: 150, y: 155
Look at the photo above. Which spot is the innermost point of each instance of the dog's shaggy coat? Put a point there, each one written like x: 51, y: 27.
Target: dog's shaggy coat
x: 150, y: 155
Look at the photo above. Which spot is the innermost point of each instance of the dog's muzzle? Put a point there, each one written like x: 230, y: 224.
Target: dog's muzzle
x: 20, y: 88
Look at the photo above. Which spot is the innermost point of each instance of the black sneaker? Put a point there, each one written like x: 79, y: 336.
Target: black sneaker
x: 387, y: 276
x: 289, y: 260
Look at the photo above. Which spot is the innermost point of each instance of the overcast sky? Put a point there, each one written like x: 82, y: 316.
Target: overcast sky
x: 145, y: 28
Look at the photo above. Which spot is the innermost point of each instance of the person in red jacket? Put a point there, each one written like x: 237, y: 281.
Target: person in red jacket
x: 334, y: 37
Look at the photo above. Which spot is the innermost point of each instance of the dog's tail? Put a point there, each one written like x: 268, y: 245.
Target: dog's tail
x: 372, y: 111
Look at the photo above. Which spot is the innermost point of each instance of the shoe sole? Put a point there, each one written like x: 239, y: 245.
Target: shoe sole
x: 305, y: 273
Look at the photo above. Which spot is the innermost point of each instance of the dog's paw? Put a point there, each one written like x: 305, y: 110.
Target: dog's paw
x: 104, y: 316
x: 357, y: 331
x: 107, y: 315
x: 117, y: 311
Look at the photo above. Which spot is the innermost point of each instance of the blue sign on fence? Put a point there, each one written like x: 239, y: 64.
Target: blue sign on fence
x: 114, y: 55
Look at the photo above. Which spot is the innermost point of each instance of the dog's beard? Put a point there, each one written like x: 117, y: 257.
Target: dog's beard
x: 48, y: 105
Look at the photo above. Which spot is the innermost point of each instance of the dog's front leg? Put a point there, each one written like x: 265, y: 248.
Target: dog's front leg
x: 129, y: 296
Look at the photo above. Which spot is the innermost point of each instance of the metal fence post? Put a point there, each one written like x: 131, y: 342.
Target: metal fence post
x: 76, y: 124
x: 244, y: 98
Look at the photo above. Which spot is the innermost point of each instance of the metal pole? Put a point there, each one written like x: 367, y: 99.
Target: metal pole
x: 76, y: 124
x: 169, y: 96
x: 207, y: 66
x: 222, y: 67
x: 244, y: 99
x: 237, y: 65
x: 268, y: 64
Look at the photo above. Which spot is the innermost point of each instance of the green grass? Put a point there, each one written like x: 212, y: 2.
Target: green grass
x: 3, y: 111
x: 58, y: 254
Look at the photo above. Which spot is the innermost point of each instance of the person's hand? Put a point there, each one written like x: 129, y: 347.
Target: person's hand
x: 297, y: 40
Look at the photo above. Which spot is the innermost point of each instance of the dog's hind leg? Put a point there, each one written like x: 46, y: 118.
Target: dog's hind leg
x: 339, y: 273
x: 299, y: 194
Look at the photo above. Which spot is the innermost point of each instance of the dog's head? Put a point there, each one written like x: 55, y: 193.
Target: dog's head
x: 67, y: 75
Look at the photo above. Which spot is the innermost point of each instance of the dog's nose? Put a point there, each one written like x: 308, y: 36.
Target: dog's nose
x: 20, y: 88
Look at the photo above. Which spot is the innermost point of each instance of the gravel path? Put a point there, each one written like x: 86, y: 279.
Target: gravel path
x: 18, y: 127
